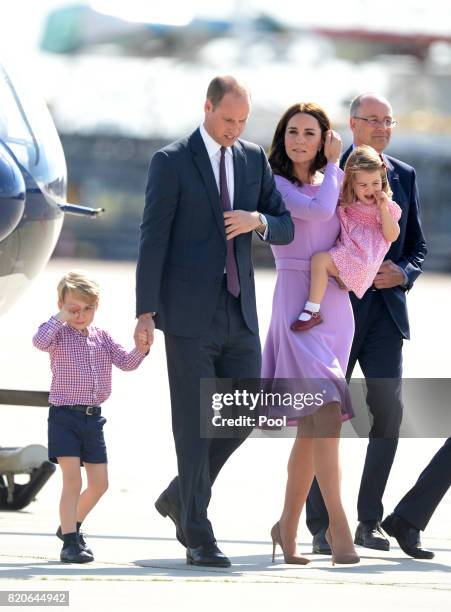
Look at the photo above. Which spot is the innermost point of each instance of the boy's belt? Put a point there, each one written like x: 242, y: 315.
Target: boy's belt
x: 89, y: 410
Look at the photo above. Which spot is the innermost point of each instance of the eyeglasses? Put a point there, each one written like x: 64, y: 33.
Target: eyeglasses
x: 388, y: 123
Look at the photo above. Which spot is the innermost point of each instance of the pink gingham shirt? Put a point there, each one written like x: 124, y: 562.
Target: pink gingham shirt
x: 81, y: 365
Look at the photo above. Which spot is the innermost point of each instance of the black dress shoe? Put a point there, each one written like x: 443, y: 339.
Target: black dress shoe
x: 206, y: 554
x: 166, y: 508
x: 408, y: 537
x: 369, y: 534
x: 81, y: 540
x: 73, y: 553
x: 319, y: 544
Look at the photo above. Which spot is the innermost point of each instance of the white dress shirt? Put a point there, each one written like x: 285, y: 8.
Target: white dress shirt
x: 214, y: 153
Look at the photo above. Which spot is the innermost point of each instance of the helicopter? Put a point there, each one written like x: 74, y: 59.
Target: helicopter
x: 33, y: 181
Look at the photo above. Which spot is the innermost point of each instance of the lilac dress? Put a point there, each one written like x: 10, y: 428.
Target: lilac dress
x: 316, y: 358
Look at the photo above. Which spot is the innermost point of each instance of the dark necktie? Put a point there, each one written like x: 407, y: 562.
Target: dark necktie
x: 383, y: 161
x: 233, y: 281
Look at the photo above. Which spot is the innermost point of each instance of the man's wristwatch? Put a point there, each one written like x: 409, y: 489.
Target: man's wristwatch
x: 263, y: 224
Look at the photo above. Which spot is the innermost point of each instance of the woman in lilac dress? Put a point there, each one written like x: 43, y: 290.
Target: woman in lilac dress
x: 303, y: 145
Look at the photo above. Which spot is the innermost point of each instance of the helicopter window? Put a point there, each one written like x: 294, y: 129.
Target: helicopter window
x: 13, y: 127
x: 27, y: 130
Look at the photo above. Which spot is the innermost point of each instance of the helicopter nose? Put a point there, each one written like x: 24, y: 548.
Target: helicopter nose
x: 12, y: 193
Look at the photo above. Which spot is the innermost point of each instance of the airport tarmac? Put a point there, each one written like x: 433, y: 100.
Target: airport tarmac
x: 138, y: 563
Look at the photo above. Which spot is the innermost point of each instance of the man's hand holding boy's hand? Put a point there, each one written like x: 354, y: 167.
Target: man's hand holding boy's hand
x: 144, y: 333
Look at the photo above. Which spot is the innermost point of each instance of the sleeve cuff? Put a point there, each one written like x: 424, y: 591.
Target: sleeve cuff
x: 336, y: 168
x: 264, y: 221
x: 55, y: 323
x: 405, y: 283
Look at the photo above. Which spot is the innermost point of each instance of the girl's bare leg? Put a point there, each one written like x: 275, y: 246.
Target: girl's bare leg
x: 322, y: 266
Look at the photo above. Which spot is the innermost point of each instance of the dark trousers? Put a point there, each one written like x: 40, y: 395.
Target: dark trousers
x: 228, y: 350
x: 377, y: 346
x: 418, y: 505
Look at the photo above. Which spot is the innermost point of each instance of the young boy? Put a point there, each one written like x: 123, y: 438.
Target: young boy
x: 81, y: 358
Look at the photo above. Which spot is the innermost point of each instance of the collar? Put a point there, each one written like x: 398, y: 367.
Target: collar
x: 80, y: 333
x: 210, y: 143
x: 381, y: 155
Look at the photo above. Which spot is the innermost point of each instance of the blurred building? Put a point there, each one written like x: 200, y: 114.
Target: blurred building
x: 123, y: 86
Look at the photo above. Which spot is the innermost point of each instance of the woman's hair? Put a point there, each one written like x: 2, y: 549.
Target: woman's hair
x: 279, y: 161
x: 366, y: 159
x: 79, y: 282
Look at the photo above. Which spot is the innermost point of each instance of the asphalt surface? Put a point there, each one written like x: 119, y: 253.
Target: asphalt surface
x: 138, y: 563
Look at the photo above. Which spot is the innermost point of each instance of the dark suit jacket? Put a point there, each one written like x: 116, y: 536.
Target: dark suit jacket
x: 408, y: 251
x: 182, y: 249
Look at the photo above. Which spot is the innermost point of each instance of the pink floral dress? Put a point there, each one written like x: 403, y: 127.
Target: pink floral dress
x: 361, y: 246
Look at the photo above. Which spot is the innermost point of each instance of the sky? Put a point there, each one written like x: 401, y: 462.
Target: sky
x: 50, y: 77
x: 22, y: 34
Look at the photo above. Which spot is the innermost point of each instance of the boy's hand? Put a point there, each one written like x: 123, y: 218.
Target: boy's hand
x: 144, y: 332
x: 143, y: 345
x: 68, y: 312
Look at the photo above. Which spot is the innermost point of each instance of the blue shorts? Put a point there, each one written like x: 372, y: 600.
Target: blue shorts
x: 75, y: 434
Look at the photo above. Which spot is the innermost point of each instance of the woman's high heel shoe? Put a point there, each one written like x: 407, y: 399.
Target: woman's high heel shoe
x: 277, y: 539
x: 347, y: 558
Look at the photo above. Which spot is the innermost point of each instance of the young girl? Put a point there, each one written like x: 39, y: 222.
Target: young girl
x: 369, y: 224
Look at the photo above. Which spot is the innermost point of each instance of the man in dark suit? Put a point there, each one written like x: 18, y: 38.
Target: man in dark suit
x: 415, y: 509
x: 205, y: 196
x: 381, y: 325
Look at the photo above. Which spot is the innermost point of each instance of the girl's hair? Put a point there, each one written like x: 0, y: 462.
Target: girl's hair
x: 366, y: 159
x: 278, y: 159
x: 79, y: 282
